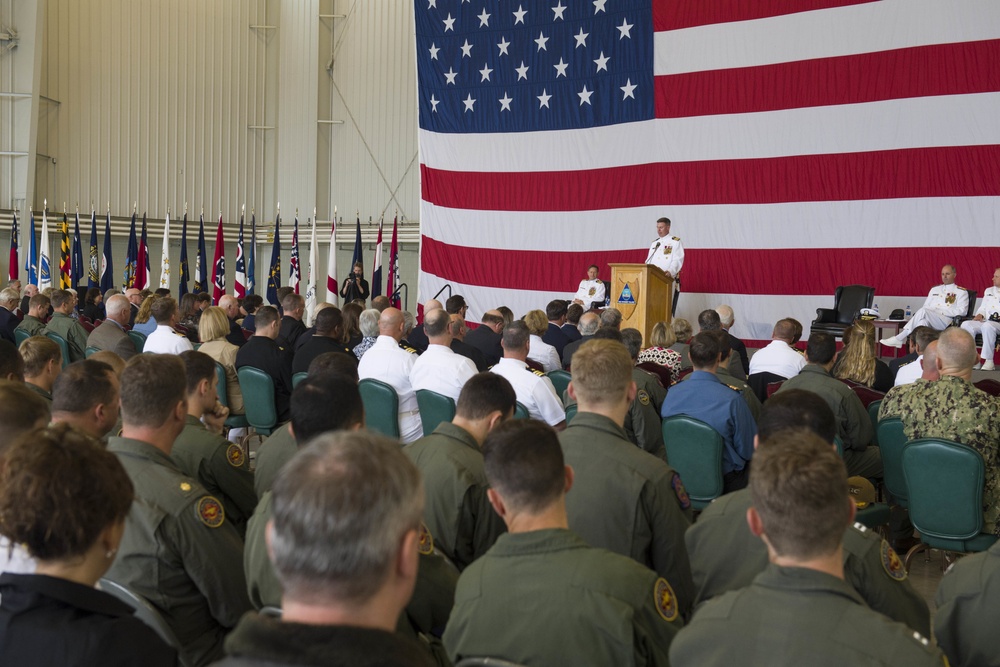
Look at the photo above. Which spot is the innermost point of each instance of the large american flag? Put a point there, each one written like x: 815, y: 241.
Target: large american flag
x: 796, y: 146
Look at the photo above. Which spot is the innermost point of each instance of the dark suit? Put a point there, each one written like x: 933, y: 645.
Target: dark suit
x: 290, y: 331
x: 571, y: 332
x: 740, y: 349
x: 556, y: 338
x: 418, y: 338
x: 469, y: 352
x: 109, y: 335
x: 133, y: 311
x: 315, y: 346
x: 567, y: 356
x: 486, y: 341
x: 267, y: 355
x: 896, y: 363
x: 235, y: 335
x: 8, y: 322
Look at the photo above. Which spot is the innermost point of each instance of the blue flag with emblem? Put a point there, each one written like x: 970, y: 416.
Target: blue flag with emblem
x: 76, y: 260
x: 31, y: 261
x: 185, y: 271
x: 274, y: 272
x: 200, y: 272
x: 107, y: 263
x: 131, y: 257
x: 94, y: 274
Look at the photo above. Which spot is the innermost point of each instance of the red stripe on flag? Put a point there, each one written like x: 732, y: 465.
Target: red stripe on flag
x: 892, y: 271
x: 673, y: 15
x: 951, y: 171
x: 940, y: 69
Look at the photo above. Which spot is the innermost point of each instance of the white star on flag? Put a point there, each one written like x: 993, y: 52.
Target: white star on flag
x: 466, y: 49
x: 628, y: 89
x: 469, y: 102
x: 543, y: 100
x: 542, y: 39
x: 624, y: 29
x: 561, y: 68
x: 434, y: 51
x: 585, y: 95
x: 505, y: 102
x: 581, y: 38
x: 519, y: 15
x: 558, y: 11
x: 522, y: 71
x: 484, y: 19
x: 432, y: 3
x: 450, y: 75
x: 449, y: 23
x: 434, y: 104
x: 599, y: 5
x: 602, y: 62
x: 485, y: 72
x: 502, y: 45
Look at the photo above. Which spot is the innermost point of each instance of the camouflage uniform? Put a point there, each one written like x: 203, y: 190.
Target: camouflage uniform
x: 953, y: 409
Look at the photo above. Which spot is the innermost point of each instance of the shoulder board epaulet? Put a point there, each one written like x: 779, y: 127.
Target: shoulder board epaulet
x: 178, y: 333
x: 799, y: 351
x: 411, y: 350
x: 907, y: 363
x: 535, y: 371
x: 732, y: 386
x: 676, y: 238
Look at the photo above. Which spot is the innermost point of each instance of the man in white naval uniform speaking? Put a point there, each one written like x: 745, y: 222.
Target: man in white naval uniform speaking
x: 667, y: 253
x: 987, y: 322
x: 943, y: 303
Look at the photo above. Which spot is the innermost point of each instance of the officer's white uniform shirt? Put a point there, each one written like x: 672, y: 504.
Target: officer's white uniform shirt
x: 544, y: 354
x: 534, y: 391
x: 989, y: 306
x: 943, y: 303
x: 590, y: 290
x: 441, y: 370
x: 387, y: 362
x: 777, y: 357
x: 668, y: 254
x: 166, y: 341
x: 910, y: 372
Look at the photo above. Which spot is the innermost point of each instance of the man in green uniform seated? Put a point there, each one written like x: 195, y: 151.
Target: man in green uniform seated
x: 799, y: 610
x: 626, y: 500
x: 86, y: 395
x: 203, y: 453
x: 34, y: 319
x: 968, y: 606
x: 458, y: 512
x: 726, y: 556
x: 61, y: 323
x: 179, y: 552
x: 42, y: 365
x: 541, y: 596
x: 345, y: 539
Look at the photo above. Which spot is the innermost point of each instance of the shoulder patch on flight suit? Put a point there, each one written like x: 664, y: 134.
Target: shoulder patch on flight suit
x: 642, y: 396
x: 426, y: 544
x: 210, y: 512
x: 665, y: 600
x: 891, y: 563
x: 682, y: 494
x: 235, y: 455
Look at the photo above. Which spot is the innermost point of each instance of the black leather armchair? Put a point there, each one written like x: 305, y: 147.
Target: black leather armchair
x: 958, y: 319
x: 848, y: 301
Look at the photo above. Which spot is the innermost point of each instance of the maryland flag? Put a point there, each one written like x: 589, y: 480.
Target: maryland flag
x: 65, y: 256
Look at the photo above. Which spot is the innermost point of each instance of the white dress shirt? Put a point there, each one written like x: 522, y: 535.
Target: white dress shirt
x: 910, y: 372
x: 777, y: 357
x: 387, y: 362
x: 535, y: 392
x: 166, y: 341
x: 544, y: 354
x: 668, y: 254
x: 590, y: 290
x: 441, y: 370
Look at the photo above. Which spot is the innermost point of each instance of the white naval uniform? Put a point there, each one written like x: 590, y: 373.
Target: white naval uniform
x: 166, y: 341
x: 777, y: 357
x: 441, y: 370
x: 668, y: 254
x: 989, y: 330
x: 534, y: 391
x: 387, y: 362
x: 544, y: 354
x: 943, y: 303
x: 909, y: 373
x: 590, y: 290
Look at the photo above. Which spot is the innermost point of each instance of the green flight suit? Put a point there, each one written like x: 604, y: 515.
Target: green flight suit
x: 797, y: 616
x: 954, y: 409
x: 854, y: 426
x: 41, y: 392
x: 726, y: 378
x: 627, y: 501
x: 457, y: 511
x: 643, y: 425
x: 968, y: 606
x: 545, y: 598
x: 272, y: 455
x: 70, y: 329
x: 220, y: 466
x: 33, y: 325
x: 726, y: 556
x: 179, y: 552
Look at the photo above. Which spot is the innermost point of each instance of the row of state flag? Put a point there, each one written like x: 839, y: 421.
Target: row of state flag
x: 99, y: 269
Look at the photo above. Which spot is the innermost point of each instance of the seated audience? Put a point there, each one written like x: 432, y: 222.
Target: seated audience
x: 213, y: 330
x: 858, y: 361
x: 55, y: 617
x: 459, y: 330
x: 85, y: 396
x: 368, y: 323
x: 611, y: 318
x: 352, y: 329
x: 93, y: 308
x: 661, y: 341
x: 42, y: 365
x: 728, y: 319
x: 35, y: 316
x: 326, y: 337
x: 387, y: 362
x: 542, y: 569
x: 642, y: 423
x: 8, y: 318
x: 554, y: 336
x: 710, y: 320
x: 534, y: 391
x: 458, y: 512
x: 778, y: 356
x: 166, y: 339
x: 145, y: 322
x: 262, y: 351
x: 188, y: 315
x: 800, y: 609
x: 682, y: 334
x: 967, y: 598
x: 571, y: 329
x: 486, y: 337
x: 439, y: 369
x: 293, y: 308
x: 589, y: 324
x: 110, y: 334
x: 911, y: 371
x: 540, y: 351
x: 63, y: 303
x: 250, y: 304
x: 230, y: 305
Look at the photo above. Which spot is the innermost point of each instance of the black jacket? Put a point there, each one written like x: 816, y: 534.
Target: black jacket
x: 486, y: 341
x: 275, y: 360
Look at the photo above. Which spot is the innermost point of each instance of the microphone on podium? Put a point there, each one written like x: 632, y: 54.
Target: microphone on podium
x: 655, y: 247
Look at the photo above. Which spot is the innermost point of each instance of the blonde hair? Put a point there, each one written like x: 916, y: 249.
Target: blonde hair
x: 146, y: 309
x: 857, y: 359
x: 213, y: 324
x: 682, y: 330
x: 537, y: 322
x: 662, y: 335
x: 602, y: 372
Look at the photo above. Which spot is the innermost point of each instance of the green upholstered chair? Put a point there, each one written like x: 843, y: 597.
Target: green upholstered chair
x: 138, y: 339
x: 945, y: 481
x: 571, y: 411
x: 297, y: 378
x: 520, y: 412
x: 892, y: 439
x: 258, y: 399
x: 20, y: 335
x: 144, y: 611
x: 63, y: 346
x: 222, y: 389
x: 90, y: 351
x: 434, y: 409
x: 694, y: 449
x: 381, y: 406
x: 873, y: 408
x: 560, y: 380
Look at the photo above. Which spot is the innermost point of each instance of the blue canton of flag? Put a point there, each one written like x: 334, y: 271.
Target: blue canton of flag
x: 484, y: 67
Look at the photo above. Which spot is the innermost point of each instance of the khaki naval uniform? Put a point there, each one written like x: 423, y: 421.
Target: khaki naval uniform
x: 546, y: 598
x: 220, y: 466
x: 968, y: 606
x: 627, y: 501
x: 797, y: 616
x: 179, y: 552
x: 458, y: 512
x: 726, y: 556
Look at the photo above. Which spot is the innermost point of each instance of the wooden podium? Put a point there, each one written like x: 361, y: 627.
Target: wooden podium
x: 644, y: 294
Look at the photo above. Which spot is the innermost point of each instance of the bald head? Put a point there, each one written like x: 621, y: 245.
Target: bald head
x: 433, y: 304
x: 436, y: 327
x: 589, y: 324
x: 726, y: 315
x: 929, y: 362
x: 134, y: 296
x: 948, y: 274
x: 118, y: 308
x: 390, y: 323
x: 229, y: 304
x: 956, y: 351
